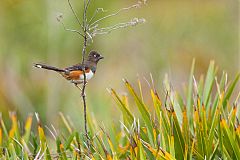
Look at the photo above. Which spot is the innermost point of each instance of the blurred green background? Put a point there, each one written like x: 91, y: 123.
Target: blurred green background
x: 175, y: 32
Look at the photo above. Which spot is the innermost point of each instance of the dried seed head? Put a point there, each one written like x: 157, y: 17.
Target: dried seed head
x: 59, y: 17
x: 136, y: 21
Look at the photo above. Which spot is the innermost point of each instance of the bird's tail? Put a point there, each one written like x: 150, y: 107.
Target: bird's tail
x: 38, y: 65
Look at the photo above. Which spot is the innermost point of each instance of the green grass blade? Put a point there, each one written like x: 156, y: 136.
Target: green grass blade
x: 230, y: 91
x: 144, y: 112
x: 126, y: 113
x: 208, y: 84
x: 189, y: 96
x: 67, y: 144
x: 229, y: 141
x: 27, y: 127
x: 213, y: 154
x: 2, y: 125
x: 141, y: 153
x: 156, y: 104
x: 61, y: 150
x: 178, y: 138
x: 13, y: 152
x: 185, y: 128
x: 65, y: 122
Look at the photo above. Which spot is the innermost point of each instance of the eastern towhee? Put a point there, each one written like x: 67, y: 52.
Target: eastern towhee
x: 75, y: 73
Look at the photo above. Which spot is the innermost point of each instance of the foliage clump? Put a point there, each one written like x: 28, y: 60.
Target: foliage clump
x: 203, y: 126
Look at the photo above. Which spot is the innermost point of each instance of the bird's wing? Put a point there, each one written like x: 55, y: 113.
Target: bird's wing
x: 77, y: 67
x: 74, y: 72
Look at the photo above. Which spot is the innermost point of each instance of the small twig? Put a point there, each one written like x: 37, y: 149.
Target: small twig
x: 115, y: 14
x: 109, y: 29
x: 87, y: 5
x: 95, y: 13
x: 90, y: 36
x: 73, y: 11
x: 71, y: 30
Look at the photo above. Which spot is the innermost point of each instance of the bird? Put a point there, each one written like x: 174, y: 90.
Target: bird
x: 75, y: 73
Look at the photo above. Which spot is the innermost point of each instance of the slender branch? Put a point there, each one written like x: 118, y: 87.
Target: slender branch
x: 95, y: 13
x: 90, y: 36
x: 133, y: 22
x: 73, y: 11
x: 87, y: 5
x: 84, y: 15
x: 106, y: 30
x: 115, y: 14
x: 70, y: 30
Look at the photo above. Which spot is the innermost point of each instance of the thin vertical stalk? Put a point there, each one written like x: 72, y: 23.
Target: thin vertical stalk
x: 87, y: 31
x: 85, y: 81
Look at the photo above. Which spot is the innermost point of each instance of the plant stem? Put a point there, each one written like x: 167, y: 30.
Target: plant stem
x: 83, y: 89
x: 85, y: 81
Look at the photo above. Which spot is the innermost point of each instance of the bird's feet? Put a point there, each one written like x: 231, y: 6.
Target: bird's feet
x: 76, y: 85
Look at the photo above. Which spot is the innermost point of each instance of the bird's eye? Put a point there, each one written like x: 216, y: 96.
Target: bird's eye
x: 94, y: 55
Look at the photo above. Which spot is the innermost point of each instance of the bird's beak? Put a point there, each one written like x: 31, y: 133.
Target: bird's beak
x: 101, y: 57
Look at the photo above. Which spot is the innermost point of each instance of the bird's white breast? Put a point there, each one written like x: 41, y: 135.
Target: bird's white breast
x: 89, y: 75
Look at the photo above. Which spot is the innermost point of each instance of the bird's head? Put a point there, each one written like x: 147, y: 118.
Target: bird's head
x: 94, y: 56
